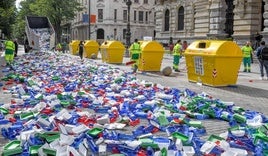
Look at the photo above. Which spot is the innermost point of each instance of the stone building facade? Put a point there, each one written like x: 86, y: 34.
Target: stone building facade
x: 111, y: 20
x: 190, y: 20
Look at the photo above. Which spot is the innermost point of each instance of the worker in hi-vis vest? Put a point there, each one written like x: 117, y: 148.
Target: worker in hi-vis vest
x: 9, y: 52
x: 177, y: 52
x: 135, y: 50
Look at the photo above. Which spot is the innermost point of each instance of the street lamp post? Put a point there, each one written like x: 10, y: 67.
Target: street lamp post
x: 128, y: 33
x: 89, y: 34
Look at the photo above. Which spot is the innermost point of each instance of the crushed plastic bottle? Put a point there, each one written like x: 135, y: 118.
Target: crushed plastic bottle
x: 76, y: 108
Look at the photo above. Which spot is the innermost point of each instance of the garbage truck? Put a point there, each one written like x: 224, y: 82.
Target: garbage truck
x: 40, y: 34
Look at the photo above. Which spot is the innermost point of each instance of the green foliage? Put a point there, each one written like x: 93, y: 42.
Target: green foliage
x: 58, y: 11
x: 7, y: 16
x: 18, y: 28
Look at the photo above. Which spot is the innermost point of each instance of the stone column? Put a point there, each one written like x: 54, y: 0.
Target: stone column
x: 265, y: 16
x: 217, y: 20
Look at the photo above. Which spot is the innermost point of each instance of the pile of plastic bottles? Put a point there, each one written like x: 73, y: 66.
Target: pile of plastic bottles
x: 44, y: 40
x: 62, y: 106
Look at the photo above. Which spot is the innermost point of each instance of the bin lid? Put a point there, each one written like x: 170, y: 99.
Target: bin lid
x: 91, y: 43
x: 151, y: 46
x: 214, y: 47
x: 112, y: 45
x: 74, y: 42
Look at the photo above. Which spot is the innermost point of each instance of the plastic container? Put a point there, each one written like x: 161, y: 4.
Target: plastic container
x: 162, y: 142
x: 12, y: 148
x: 213, y: 63
x: 91, y: 47
x: 73, y: 47
x: 152, y: 53
x: 112, y: 52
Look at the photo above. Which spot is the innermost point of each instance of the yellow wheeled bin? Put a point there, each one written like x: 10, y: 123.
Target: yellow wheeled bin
x: 151, y: 56
x: 112, y: 52
x: 213, y: 62
x: 73, y: 46
x: 91, y: 47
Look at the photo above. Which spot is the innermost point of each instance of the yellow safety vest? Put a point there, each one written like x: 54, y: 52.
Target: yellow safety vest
x: 177, y: 49
x: 246, y: 51
x: 135, y: 48
x: 10, y: 45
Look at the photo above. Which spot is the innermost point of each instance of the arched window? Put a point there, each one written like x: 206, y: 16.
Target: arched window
x: 166, y: 26
x: 100, y: 34
x: 181, y: 18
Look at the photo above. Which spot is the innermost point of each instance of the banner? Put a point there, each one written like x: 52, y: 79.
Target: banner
x: 92, y: 19
x: 85, y: 18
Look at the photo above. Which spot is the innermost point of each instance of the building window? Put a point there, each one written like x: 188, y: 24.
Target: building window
x: 141, y: 16
x: 115, y: 15
x: 146, y: 16
x: 125, y: 16
x: 145, y: 1
x: 181, y: 18
x: 124, y: 33
x: 136, y: 1
x: 100, y: 15
x: 154, y: 18
x: 115, y: 34
x: 166, y: 26
x: 135, y: 16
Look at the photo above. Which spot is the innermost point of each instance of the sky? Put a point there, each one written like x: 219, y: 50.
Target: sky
x: 17, y: 3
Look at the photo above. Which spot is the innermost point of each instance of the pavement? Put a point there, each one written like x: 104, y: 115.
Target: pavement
x: 250, y: 92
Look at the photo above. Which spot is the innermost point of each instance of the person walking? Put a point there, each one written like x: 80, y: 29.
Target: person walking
x: 258, y: 37
x: 16, y: 47
x: 9, y: 52
x: 171, y: 46
x: 64, y: 47
x: 1, y: 46
x: 177, y: 52
x: 262, y: 55
x: 247, y: 51
x: 135, y: 54
x: 184, y: 45
x: 81, y: 49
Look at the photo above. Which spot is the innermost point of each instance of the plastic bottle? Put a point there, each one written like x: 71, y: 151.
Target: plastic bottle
x: 149, y: 151
x: 139, y: 131
x: 122, y: 136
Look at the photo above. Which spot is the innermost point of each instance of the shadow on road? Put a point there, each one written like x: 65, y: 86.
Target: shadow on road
x: 246, y: 90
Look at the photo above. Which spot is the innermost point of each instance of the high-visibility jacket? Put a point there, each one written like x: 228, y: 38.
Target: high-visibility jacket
x: 59, y: 47
x: 177, y: 49
x: 136, y: 48
x: 247, y: 50
x: 9, y: 45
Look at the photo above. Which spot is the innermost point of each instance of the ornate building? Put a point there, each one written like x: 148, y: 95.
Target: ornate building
x: 111, y: 20
x: 215, y: 19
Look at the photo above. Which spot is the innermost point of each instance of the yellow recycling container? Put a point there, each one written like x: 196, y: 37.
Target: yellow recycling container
x: 112, y: 52
x: 91, y: 47
x: 73, y: 46
x: 213, y: 62
x: 151, y: 56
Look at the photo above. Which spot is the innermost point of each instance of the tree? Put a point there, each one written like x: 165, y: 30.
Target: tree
x: 57, y: 11
x: 19, y: 27
x: 7, y: 16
